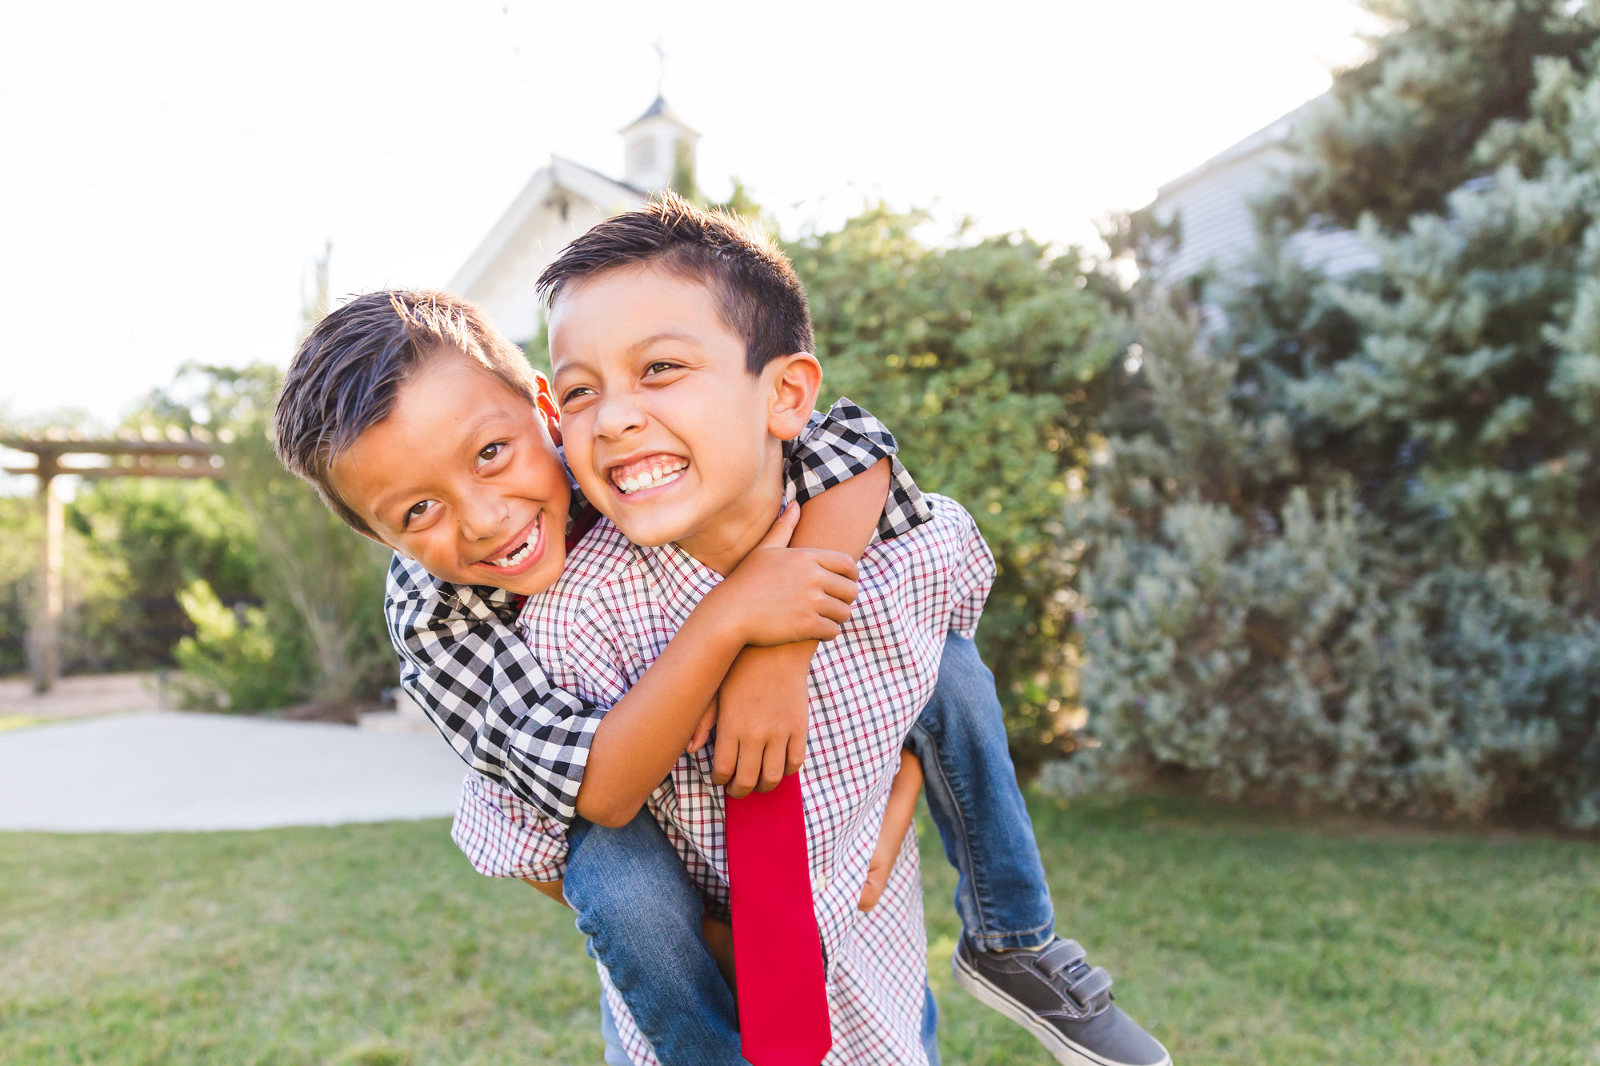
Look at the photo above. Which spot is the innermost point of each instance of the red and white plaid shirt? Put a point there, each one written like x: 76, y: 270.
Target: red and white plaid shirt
x: 610, y: 616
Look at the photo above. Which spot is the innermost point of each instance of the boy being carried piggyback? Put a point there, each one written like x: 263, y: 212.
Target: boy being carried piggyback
x: 681, y: 344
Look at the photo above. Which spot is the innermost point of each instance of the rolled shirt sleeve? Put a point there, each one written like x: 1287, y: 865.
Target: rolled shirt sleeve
x: 845, y: 441
x: 471, y: 673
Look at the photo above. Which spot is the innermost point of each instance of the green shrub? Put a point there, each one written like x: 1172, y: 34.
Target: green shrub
x: 1295, y: 644
x: 987, y: 360
x: 230, y: 661
x: 1341, y: 548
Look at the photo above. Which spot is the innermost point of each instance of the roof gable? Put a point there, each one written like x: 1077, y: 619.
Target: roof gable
x: 659, y: 110
x: 544, y: 188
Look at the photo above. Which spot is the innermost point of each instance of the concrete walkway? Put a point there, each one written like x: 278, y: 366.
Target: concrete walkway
x: 163, y: 770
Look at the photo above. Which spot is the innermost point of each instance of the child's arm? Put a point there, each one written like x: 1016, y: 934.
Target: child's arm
x: 896, y: 823
x: 643, y: 734
x: 465, y: 666
x: 553, y: 888
x: 762, y: 705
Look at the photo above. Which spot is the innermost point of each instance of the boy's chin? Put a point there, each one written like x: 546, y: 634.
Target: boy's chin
x: 646, y: 534
x: 532, y: 583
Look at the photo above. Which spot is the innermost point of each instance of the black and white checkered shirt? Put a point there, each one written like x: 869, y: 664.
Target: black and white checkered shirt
x: 464, y: 664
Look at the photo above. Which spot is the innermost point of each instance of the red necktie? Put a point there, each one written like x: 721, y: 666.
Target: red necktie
x: 777, y: 954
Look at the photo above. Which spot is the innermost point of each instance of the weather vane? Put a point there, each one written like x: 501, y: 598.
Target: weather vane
x: 661, y: 64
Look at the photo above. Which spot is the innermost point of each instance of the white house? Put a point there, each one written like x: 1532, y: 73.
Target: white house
x: 1212, y: 205
x: 559, y: 202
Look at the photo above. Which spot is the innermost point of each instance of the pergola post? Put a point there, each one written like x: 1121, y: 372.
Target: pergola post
x: 45, y: 661
x: 149, y: 454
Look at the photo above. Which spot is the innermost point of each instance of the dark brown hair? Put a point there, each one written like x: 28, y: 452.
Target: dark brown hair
x: 757, y: 294
x: 345, y: 376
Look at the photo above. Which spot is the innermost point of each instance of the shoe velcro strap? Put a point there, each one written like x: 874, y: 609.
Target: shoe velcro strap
x: 1091, y: 989
x: 1062, y: 955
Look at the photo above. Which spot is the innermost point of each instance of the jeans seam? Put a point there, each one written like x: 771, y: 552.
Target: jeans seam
x: 1001, y: 939
x: 964, y: 837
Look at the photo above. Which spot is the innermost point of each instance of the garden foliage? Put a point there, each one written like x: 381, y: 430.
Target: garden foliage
x: 987, y: 360
x: 132, y: 545
x: 1342, y: 549
x: 314, y: 633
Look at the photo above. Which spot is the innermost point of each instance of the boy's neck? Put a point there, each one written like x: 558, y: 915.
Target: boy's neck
x: 734, y: 533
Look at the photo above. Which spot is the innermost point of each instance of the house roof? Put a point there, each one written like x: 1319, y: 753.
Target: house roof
x: 1273, y: 133
x: 659, y: 109
x: 561, y: 173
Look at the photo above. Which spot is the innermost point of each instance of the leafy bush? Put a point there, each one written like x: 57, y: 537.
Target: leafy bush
x: 19, y: 554
x: 987, y: 360
x: 319, y: 585
x: 228, y: 663
x: 1293, y: 644
x: 100, y: 627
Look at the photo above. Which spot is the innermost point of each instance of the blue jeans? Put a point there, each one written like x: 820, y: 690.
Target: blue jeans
x: 642, y: 917
x: 973, y: 798
x: 635, y: 903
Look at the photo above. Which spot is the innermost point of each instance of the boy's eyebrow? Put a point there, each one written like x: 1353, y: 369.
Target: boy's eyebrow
x: 574, y: 365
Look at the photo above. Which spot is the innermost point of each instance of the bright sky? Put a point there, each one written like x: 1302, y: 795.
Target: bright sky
x: 173, y: 168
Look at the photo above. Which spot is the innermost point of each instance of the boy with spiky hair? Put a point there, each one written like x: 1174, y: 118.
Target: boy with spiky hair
x: 480, y: 683
x: 424, y: 429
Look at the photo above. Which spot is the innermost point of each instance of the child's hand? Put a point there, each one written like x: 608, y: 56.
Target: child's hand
x: 779, y: 594
x: 719, y: 938
x: 761, y: 731
x: 702, y: 732
x: 896, y: 822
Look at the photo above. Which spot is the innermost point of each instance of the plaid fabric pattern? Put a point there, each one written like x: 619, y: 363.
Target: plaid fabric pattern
x: 609, y: 617
x: 463, y: 664
x: 843, y: 443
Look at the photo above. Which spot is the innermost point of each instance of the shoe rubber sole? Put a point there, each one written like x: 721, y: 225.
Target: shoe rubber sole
x: 1062, y: 1049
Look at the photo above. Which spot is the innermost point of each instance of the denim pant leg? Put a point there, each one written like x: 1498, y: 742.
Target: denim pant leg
x: 1001, y: 894
x: 930, y: 1025
x: 642, y: 917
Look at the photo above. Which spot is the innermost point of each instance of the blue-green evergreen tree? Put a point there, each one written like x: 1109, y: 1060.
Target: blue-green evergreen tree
x: 1342, y: 548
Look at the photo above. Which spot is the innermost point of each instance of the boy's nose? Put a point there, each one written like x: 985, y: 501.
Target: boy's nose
x: 481, y: 519
x: 618, y: 414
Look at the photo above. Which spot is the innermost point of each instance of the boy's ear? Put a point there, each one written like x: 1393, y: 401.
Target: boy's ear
x: 549, y: 410
x: 796, y: 379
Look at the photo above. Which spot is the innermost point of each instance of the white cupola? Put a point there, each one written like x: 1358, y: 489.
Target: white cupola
x: 652, y: 145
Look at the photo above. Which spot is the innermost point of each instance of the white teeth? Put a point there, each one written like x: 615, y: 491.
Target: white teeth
x: 657, y: 474
x: 521, y: 552
x: 513, y: 559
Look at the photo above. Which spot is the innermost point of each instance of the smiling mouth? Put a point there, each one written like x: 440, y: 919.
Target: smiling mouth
x: 651, y: 473
x: 520, y: 551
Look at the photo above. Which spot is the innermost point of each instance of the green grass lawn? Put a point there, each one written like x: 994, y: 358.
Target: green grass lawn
x: 1237, y: 937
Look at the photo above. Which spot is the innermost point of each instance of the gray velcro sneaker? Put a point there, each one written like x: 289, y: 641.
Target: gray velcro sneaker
x: 1063, y: 1001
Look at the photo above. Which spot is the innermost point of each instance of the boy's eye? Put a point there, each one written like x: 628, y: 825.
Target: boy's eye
x: 577, y: 392
x: 416, y: 511
x: 490, y: 452
x: 660, y: 366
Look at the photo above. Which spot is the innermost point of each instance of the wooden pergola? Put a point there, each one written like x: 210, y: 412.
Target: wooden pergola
x: 149, y: 453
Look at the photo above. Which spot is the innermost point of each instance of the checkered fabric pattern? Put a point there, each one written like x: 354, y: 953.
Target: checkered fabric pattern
x: 609, y: 617
x: 461, y: 662
x: 843, y: 443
